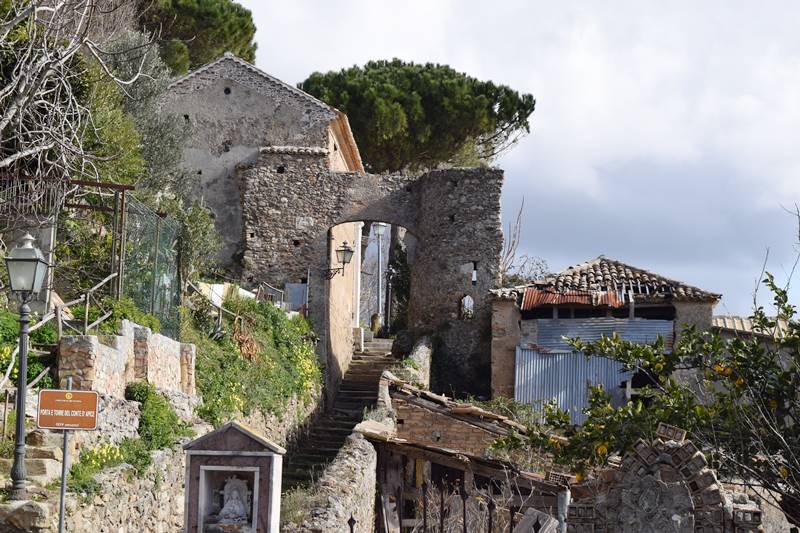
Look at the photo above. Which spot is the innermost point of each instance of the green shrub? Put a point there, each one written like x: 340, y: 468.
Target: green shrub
x: 9, y: 339
x: 280, y: 361
x: 159, y: 426
x: 121, y: 309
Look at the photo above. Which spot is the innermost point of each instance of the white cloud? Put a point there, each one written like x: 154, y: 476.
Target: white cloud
x: 665, y: 133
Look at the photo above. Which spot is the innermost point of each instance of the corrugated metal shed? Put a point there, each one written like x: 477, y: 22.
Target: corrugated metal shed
x: 551, y: 371
x: 566, y: 378
x: 553, y: 333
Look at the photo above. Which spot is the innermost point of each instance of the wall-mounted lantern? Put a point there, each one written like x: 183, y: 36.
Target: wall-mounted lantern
x: 344, y: 254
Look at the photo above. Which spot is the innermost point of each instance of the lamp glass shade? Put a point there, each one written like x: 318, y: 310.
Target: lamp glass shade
x: 379, y: 228
x: 344, y: 254
x: 26, y: 267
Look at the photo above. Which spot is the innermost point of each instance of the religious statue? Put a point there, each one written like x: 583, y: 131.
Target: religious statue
x: 235, y: 512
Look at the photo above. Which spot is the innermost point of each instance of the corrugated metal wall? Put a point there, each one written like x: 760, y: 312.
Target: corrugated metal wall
x: 552, y: 334
x: 554, y: 372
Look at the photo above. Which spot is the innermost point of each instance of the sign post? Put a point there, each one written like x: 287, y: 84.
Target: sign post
x: 66, y: 410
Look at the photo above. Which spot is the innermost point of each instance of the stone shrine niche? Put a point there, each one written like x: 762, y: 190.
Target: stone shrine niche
x: 663, y: 486
x: 232, y: 482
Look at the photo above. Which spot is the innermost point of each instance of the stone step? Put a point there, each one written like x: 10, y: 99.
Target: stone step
x: 39, y: 471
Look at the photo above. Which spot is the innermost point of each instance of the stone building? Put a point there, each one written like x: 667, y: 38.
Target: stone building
x: 282, y: 174
x: 235, y: 110
x: 531, y: 359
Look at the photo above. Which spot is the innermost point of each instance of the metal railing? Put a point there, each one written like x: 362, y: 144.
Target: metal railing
x: 81, y: 328
x: 267, y: 293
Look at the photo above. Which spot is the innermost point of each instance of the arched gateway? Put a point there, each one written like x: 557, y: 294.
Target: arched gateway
x: 295, y: 213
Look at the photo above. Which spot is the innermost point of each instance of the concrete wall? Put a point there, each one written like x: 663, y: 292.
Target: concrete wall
x: 506, y: 322
x: 697, y: 314
x: 107, y: 364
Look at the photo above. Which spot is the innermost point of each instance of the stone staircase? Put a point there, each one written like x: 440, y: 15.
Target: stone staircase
x: 43, y: 457
x: 358, y: 392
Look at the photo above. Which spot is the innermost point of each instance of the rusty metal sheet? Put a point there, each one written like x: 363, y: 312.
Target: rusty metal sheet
x: 534, y: 297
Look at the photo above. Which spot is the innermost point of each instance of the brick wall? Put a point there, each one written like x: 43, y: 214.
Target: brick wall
x: 424, y: 426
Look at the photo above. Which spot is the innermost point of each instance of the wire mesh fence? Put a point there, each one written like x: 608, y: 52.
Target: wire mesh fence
x: 150, y: 265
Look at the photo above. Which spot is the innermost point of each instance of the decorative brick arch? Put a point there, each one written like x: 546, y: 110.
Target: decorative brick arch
x: 454, y: 214
x: 665, y: 485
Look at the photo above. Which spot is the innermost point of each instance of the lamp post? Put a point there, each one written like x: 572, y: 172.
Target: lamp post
x: 26, y: 272
x: 380, y: 229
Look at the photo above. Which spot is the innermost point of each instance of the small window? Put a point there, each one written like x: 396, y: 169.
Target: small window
x: 199, y: 172
x: 281, y: 169
x: 452, y: 218
x: 252, y: 235
x: 186, y: 118
x: 227, y: 90
x: 296, y: 242
x: 335, y: 148
x: 467, y: 308
x: 226, y: 146
x: 474, y: 273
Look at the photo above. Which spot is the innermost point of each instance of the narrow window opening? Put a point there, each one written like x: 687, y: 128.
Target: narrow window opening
x: 252, y: 235
x: 296, y: 242
x: 186, y: 118
x: 281, y: 169
x: 227, y: 90
x: 474, y: 272
x: 467, y: 308
x: 335, y: 147
x: 199, y: 172
x: 452, y: 218
x: 226, y: 146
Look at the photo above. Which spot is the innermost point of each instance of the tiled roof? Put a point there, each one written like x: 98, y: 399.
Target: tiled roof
x: 606, y: 274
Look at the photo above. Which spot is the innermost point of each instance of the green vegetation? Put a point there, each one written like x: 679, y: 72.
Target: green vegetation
x: 159, y: 427
x: 198, y: 31
x: 121, y: 309
x: 411, y: 116
x: 260, y: 362
x: 9, y: 339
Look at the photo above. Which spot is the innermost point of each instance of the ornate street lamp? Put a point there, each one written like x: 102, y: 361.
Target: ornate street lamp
x: 26, y: 272
x: 380, y: 229
x: 344, y: 254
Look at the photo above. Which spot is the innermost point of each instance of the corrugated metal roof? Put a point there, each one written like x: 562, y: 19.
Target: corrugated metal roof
x: 566, y: 378
x: 535, y: 297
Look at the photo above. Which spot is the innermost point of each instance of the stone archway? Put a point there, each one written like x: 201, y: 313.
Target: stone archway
x: 291, y: 201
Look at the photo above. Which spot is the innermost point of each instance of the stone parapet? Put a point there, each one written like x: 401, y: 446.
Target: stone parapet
x: 347, y: 488
x: 106, y: 364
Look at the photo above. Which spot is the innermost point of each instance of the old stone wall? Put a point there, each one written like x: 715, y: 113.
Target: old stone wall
x: 347, y: 487
x: 157, y: 359
x: 292, y: 200
x: 106, y: 364
x: 418, y: 370
x: 92, y: 365
x: 697, y: 314
x: 126, y: 503
x: 458, y: 229
x: 232, y: 111
x: 506, y: 322
x: 418, y: 424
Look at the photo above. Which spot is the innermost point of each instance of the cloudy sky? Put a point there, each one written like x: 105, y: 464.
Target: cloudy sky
x: 665, y: 134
